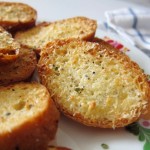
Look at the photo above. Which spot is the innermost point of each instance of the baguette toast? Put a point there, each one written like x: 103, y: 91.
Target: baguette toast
x: 9, y: 48
x: 28, y: 117
x: 94, y: 84
x: 19, y: 70
x: 39, y: 36
x: 16, y: 16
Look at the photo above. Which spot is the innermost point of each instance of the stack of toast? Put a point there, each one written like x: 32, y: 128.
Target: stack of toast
x: 81, y: 76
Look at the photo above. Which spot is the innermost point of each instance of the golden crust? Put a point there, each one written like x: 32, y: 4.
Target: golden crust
x: 19, y: 70
x: 147, y: 115
x: 77, y: 27
x: 113, y: 112
x: 17, y: 16
x: 33, y: 132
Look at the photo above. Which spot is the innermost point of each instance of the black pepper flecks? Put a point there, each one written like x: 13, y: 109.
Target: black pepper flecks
x: 8, y: 114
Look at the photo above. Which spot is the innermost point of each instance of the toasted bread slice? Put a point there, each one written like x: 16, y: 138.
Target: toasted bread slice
x: 16, y: 16
x: 94, y: 84
x: 19, y: 70
x: 38, y: 37
x: 28, y: 117
x: 57, y: 148
x: 9, y: 48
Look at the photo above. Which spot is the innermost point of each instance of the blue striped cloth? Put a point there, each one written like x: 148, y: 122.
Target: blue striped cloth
x: 132, y: 24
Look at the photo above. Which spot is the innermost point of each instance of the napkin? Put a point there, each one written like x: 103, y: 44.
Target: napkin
x: 133, y: 24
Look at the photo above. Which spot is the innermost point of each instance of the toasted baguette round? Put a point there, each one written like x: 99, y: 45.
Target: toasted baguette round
x: 94, y: 84
x: 39, y: 36
x: 9, y: 48
x: 28, y: 117
x: 19, y: 70
x: 16, y: 16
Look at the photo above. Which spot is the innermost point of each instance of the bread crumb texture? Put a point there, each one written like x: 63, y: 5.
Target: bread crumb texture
x: 28, y: 117
x: 77, y: 27
x: 16, y: 12
x: 92, y: 85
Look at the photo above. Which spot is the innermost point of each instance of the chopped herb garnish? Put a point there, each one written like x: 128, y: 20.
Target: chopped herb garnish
x: 104, y: 146
x: 78, y: 90
x: 55, y: 67
x: 8, y: 113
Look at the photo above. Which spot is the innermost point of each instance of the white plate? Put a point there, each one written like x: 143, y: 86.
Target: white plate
x: 72, y: 134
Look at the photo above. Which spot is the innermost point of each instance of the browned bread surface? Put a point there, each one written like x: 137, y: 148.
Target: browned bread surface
x: 19, y: 70
x: 9, y: 48
x: 16, y: 16
x: 94, y: 84
x: 39, y: 36
x: 28, y: 117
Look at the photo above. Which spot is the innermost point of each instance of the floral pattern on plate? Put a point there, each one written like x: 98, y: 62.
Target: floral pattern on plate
x: 116, y: 44
x: 142, y: 130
